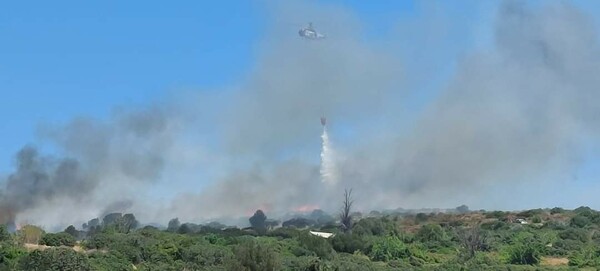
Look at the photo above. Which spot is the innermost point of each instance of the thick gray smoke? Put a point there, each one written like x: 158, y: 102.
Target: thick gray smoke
x: 508, y: 115
x: 277, y: 112
x: 102, y: 162
x: 38, y: 179
x: 511, y: 113
x: 297, y: 81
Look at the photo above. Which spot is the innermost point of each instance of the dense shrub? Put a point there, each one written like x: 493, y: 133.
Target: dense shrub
x: 389, y: 248
x: 580, y: 235
x: 431, y: 233
x: 495, y: 214
x: 348, y: 243
x: 109, y: 262
x: 591, y: 215
x: 205, y: 255
x: 588, y: 256
x: 555, y: 225
x: 4, y: 234
x: 318, y: 245
x: 348, y: 262
x: 421, y: 217
x: 298, y: 222
x: 481, y: 259
x: 564, y: 247
x: 530, y: 213
x: 30, y: 234
x: 434, y: 237
x: 59, y: 259
x: 100, y: 241
x: 373, y: 226
x: 253, y: 256
x: 495, y: 226
x: 57, y: 239
x: 557, y: 210
x: 580, y: 221
x: 525, y: 252
x: 377, y: 243
x: 10, y: 253
x: 303, y: 263
x: 284, y: 233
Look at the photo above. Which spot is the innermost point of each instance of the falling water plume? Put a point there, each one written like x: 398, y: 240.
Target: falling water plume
x: 328, y: 168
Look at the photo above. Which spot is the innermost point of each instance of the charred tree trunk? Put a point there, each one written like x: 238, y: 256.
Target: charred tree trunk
x: 345, y: 217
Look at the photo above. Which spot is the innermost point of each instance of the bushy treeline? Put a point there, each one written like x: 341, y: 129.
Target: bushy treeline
x: 530, y: 240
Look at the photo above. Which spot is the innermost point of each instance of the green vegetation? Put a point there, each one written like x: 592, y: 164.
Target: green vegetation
x: 540, y: 239
x: 57, y: 239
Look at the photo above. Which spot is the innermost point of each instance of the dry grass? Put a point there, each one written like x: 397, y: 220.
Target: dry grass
x: 78, y: 248
x: 549, y: 261
x: 31, y: 247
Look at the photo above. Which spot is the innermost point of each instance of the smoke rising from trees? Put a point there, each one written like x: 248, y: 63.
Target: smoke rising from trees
x: 523, y: 107
x: 102, y: 161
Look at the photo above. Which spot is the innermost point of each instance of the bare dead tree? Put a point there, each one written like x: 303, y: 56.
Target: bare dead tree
x: 345, y: 217
x: 473, y: 240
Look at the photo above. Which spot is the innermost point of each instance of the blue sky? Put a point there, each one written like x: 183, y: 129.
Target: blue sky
x: 59, y: 60
x: 63, y: 59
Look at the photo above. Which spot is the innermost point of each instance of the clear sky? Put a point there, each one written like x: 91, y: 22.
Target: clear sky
x: 62, y: 59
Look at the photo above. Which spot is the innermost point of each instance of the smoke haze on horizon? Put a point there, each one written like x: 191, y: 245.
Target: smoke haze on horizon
x: 517, y: 114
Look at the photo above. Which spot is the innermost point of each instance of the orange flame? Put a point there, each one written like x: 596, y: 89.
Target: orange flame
x: 306, y: 208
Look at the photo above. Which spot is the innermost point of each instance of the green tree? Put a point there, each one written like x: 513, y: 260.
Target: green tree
x: 30, y: 234
x: 57, y: 239
x: 371, y: 226
x: 185, y: 229
x: 257, y: 221
x: 128, y: 223
x: 580, y: 221
x: 463, y: 209
x: 100, y: 261
x: 421, y: 217
x: 524, y: 251
x: 93, y: 223
x: 111, y: 218
x: 10, y: 254
x: 389, y: 248
x: 318, y: 245
x: 173, y: 225
x: 72, y: 231
x: 298, y: 222
x: 588, y: 256
x: 556, y: 210
x: 348, y: 243
x: 206, y: 255
x: 253, y: 256
x: 431, y: 233
x: 60, y: 259
x: 4, y: 234
x: 472, y: 240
